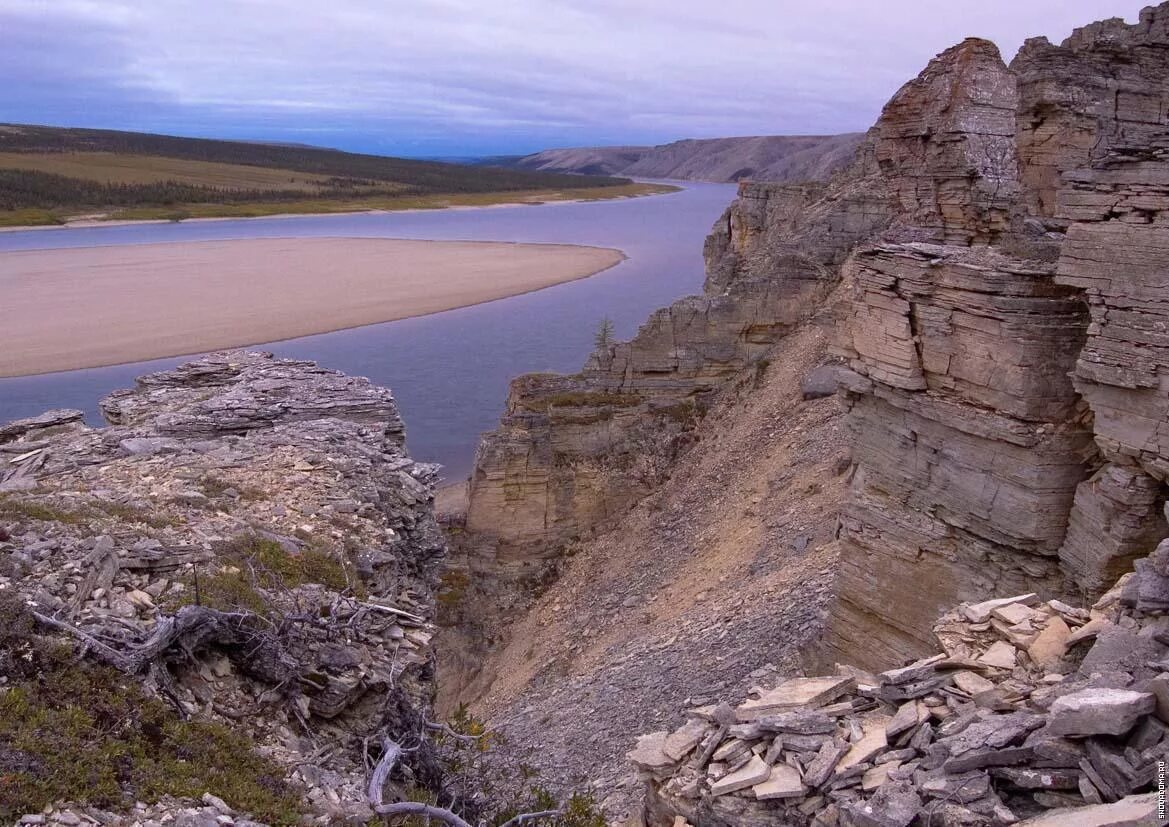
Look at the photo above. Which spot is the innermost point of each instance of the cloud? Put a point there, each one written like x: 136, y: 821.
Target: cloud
x: 450, y: 76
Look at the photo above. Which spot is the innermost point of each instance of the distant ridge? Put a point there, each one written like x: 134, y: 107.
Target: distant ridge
x: 761, y: 158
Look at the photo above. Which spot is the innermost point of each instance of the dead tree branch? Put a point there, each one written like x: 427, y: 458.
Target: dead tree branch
x: 391, y: 751
x: 523, y: 818
x: 192, y: 628
x: 417, y: 808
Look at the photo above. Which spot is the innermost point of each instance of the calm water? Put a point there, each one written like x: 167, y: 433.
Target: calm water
x: 449, y: 371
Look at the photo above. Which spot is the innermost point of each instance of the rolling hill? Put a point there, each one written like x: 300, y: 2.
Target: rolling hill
x: 764, y: 158
x: 49, y: 174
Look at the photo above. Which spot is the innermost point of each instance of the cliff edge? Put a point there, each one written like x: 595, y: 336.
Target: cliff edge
x: 229, y: 590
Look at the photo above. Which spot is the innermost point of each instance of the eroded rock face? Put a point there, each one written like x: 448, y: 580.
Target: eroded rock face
x: 572, y: 452
x: 986, y: 387
x: 946, y: 145
x: 1113, y: 193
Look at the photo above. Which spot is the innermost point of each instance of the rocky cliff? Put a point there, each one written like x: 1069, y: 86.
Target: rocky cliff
x: 997, y: 255
x: 778, y: 158
x: 247, y: 541
x: 573, y: 453
x: 1008, y: 403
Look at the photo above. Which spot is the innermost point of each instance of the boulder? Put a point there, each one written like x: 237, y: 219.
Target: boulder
x: 821, y: 382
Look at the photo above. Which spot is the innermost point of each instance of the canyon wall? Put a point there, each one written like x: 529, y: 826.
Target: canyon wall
x: 1008, y: 405
x: 1001, y: 239
x: 573, y: 452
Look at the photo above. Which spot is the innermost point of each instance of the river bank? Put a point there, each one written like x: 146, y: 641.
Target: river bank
x: 98, y: 306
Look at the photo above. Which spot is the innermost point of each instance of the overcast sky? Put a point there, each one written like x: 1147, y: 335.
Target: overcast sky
x: 465, y: 77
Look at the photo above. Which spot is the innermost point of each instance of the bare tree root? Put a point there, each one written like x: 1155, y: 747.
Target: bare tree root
x: 191, y: 629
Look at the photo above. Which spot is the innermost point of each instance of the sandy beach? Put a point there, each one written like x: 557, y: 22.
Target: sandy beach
x: 89, y: 307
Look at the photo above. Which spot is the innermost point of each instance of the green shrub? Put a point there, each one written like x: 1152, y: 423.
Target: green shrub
x: 251, y: 566
x: 89, y: 734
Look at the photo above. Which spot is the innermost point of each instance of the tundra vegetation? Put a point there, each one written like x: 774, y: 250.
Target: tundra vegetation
x: 48, y: 175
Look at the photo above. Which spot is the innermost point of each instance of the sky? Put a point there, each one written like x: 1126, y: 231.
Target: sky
x: 481, y: 77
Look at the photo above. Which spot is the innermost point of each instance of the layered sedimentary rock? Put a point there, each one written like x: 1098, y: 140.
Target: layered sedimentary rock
x: 572, y: 451
x: 986, y: 387
x: 1101, y: 166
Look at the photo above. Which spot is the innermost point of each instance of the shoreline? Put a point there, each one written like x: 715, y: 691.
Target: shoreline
x: 269, y: 304
x: 90, y: 223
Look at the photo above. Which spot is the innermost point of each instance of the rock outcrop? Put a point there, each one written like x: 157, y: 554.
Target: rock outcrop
x: 1007, y: 336
x: 1002, y: 336
x: 566, y: 455
x: 266, y: 512
x: 1000, y: 234
x: 575, y: 453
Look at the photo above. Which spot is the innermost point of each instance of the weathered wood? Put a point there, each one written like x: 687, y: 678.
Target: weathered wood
x: 391, y: 751
x: 192, y: 628
x: 417, y: 808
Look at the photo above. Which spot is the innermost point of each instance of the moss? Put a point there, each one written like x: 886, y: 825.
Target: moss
x: 252, y: 566
x: 228, y: 590
x: 452, y: 588
x: 580, y: 399
x: 74, y: 732
x: 134, y: 514
x: 13, y: 508
x: 214, y: 486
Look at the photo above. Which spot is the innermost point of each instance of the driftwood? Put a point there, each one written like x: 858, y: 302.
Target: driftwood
x: 101, y: 567
x: 523, y: 818
x: 446, y: 730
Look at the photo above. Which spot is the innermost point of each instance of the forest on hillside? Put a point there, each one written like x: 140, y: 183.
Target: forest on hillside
x: 420, y: 176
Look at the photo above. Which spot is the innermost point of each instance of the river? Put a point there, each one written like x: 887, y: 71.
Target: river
x: 449, y: 371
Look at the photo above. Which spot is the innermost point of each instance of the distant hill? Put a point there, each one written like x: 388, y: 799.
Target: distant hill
x: 764, y: 158
x: 48, y: 174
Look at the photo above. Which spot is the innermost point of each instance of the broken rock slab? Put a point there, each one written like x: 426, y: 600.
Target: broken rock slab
x: 650, y: 753
x: 894, y: 805
x: 1098, y: 712
x: 794, y: 693
x: 784, y: 782
x: 981, y: 612
x: 871, y: 743
x: 755, y: 772
x: 1047, y: 650
x: 1134, y: 811
x: 680, y: 742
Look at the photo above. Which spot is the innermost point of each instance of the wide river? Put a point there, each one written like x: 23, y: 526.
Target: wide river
x: 449, y: 371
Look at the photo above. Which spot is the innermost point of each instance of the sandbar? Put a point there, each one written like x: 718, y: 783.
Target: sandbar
x: 94, y: 306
